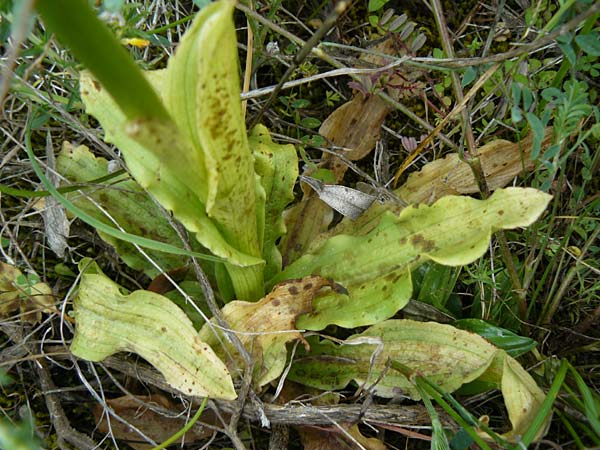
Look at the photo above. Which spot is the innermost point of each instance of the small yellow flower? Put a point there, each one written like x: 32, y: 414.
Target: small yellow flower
x: 136, y: 42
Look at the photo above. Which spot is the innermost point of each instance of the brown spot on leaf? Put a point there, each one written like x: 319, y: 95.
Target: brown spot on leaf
x: 501, y: 212
x: 419, y: 241
x: 276, y: 302
x: 97, y: 85
x: 293, y: 290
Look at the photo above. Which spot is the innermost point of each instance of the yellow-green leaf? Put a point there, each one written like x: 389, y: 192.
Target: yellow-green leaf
x: 146, y: 323
x: 202, y: 93
x: 277, y: 167
x: 374, y: 266
x: 160, y: 162
x: 447, y: 356
x: 267, y: 325
x: 126, y: 203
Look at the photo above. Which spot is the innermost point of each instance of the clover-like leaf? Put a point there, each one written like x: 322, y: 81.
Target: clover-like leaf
x: 146, y: 323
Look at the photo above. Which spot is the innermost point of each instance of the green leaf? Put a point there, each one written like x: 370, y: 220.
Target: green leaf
x: 436, y: 283
x: 202, y: 92
x: 197, y: 163
x: 537, y: 128
x: 374, y: 266
x: 469, y: 75
x: 310, y: 122
x: 150, y: 325
x: 376, y: 5
x: 156, y: 168
x: 300, y: 103
x: 508, y: 341
x: 19, y: 436
x: 564, y: 43
x: 277, y: 167
x: 589, y: 43
x: 443, y: 354
x: 127, y: 204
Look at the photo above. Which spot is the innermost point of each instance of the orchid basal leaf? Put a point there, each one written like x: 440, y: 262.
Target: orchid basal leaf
x: 267, y: 325
x: 150, y: 325
x: 127, y: 204
x: 202, y: 93
x: 445, y: 355
x: 375, y: 267
x: 197, y: 163
x: 277, y: 167
x: 158, y: 164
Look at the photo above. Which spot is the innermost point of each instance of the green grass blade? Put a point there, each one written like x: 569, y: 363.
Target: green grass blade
x: 111, y: 231
x: 76, y: 25
x: 546, y: 407
x: 63, y: 190
x: 590, y: 407
x: 431, y: 390
x: 574, y: 434
x: 439, y: 441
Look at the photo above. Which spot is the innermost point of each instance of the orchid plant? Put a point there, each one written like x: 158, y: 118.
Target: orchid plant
x: 182, y: 133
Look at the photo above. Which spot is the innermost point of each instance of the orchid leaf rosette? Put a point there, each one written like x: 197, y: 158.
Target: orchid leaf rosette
x: 196, y: 160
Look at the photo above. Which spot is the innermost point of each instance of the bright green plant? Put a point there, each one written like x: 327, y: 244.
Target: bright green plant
x: 183, y: 136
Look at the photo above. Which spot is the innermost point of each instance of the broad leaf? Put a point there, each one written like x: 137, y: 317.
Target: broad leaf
x: 374, y: 266
x: 277, y: 167
x: 202, y: 92
x: 161, y: 167
x: 266, y: 326
x: 150, y: 325
x: 445, y: 355
x: 127, y: 203
x: 197, y: 162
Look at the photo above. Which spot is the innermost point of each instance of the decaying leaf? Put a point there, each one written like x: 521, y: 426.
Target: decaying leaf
x: 501, y: 161
x: 150, y: 325
x: 356, y: 125
x: 267, y: 325
x: 340, y: 436
x: 347, y: 201
x: 445, y: 355
x: 375, y: 266
x: 17, y: 292
x: 127, y: 204
x: 56, y: 225
x: 154, y: 415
